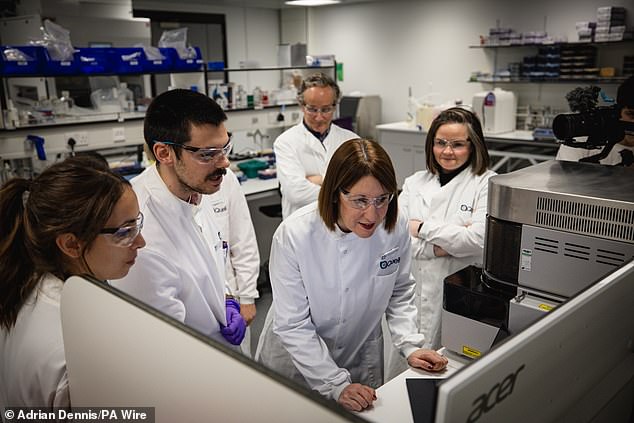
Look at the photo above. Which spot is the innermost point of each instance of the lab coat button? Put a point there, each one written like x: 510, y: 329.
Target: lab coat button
x: 347, y: 289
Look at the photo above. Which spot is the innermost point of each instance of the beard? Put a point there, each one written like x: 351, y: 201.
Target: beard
x: 203, y: 188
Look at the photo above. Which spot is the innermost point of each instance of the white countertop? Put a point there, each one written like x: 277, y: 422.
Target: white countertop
x: 256, y: 185
x: 392, y: 400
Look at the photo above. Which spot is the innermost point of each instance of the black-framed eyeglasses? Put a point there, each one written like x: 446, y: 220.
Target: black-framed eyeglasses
x: 361, y: 202
x: 125, y: 235
x: 205, y: 155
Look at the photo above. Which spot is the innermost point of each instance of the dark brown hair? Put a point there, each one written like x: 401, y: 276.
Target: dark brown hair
x: 172, y: 114
x: 353, y: 160
x: 74, y: 196
x: 479, y: 156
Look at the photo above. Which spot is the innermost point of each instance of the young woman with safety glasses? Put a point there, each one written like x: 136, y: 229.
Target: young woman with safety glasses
x: 77, y: 217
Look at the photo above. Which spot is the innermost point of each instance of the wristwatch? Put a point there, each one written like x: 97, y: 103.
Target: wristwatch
x: 419, y: 227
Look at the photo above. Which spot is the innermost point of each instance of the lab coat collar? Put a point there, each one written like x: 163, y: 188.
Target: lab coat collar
x: 159, y: 191
x: 320, y: 137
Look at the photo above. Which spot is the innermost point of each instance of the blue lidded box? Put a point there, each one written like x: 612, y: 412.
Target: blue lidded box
x: 20, y: 60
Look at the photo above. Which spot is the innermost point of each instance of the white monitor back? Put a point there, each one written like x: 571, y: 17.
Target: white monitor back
x: 121, y: 353
x: 576, y: 364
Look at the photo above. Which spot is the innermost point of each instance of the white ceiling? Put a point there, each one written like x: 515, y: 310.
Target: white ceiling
x: 266, y: 4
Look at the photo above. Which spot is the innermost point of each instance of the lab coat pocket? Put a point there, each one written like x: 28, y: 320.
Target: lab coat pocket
x: 388, y: 263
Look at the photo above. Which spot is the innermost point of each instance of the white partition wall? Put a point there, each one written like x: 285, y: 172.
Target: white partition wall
x: 121, y: 353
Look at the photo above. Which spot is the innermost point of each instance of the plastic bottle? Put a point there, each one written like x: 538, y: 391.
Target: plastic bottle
x: 126, y: 98
x: 257, y: 98
x: 241, y: 98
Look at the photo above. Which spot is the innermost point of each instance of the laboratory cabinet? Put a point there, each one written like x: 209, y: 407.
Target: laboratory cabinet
x: 558, y: 63
x: 405, y: 146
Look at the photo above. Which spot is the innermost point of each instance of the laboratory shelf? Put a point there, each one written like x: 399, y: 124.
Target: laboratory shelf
x: 558, y: 44
x: 271, y: 68
x: 614, y: 80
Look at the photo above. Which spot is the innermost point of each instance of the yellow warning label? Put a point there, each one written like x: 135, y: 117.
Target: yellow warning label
x: 545, y: 307
x: 471, y: 352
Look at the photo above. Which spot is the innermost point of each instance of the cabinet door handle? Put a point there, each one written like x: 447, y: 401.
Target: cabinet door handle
x: 407, y: 150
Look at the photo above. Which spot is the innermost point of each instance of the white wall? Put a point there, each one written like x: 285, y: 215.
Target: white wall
x: 387, y: 47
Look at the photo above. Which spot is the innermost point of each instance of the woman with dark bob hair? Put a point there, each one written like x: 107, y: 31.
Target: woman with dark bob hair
x: 337, y: 266
x: 446, y: 206
x: 77, y: 217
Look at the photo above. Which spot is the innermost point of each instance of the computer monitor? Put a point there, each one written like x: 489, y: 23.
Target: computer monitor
x: 122, y: 353
x: 576, y: 364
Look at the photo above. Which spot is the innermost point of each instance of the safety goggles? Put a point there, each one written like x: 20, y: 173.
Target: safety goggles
x: 323, y: 110
x: 124, y: 236
x: 455, y: 145
x: 205, y: 155
x: 361, y: 202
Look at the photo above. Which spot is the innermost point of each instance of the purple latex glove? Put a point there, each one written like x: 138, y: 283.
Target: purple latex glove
x: 236, y: 326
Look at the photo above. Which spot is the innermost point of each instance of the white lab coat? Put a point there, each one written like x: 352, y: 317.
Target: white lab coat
x: 573, y: 154
x: 299, y: 154
x: 454, y: 218
x: 231, y: 215
x: 181, y: 270
x: 33, y: 365
x: 330, y: 290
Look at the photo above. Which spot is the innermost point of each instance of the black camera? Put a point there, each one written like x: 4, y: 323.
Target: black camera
x: 602, y: 126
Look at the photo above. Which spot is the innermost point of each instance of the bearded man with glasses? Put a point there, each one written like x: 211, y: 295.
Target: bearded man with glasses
x: 182, y: 273
x: 303, y: 151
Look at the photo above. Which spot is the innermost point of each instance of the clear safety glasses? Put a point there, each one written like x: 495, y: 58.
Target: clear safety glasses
x: 455, y: 145
x: 205, y: 155
x: 323, y: 110
x: 125, y: 235
x: 362, y: 202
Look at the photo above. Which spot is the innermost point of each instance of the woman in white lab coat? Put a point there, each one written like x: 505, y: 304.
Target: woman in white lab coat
x: 337, y: 266
x: 446, y: 206
x: 77, y: 217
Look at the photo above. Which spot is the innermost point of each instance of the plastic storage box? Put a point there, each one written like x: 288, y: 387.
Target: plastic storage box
x: 57, y: 67
x: 158, y: 65
x: 190, y: 64
x: 20, y: 60
x: 127, y: 60
x: 251, y: 167
x: 91, y: 60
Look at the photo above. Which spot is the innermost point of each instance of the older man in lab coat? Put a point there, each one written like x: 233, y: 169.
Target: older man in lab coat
x: 303, y: 151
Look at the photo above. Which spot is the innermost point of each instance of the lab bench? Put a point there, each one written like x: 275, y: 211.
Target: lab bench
x: 392, y: 401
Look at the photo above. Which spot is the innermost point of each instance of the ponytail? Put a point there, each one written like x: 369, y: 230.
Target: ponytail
x: 17, y: 279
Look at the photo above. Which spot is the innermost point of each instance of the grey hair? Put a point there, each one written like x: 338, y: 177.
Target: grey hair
x: 318, y: 79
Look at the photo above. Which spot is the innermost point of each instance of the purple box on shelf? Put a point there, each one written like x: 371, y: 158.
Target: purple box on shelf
x: 20, y: 60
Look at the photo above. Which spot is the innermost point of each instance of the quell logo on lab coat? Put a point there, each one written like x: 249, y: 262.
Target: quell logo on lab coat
x: 389, y: 262
x: 384, y: 264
